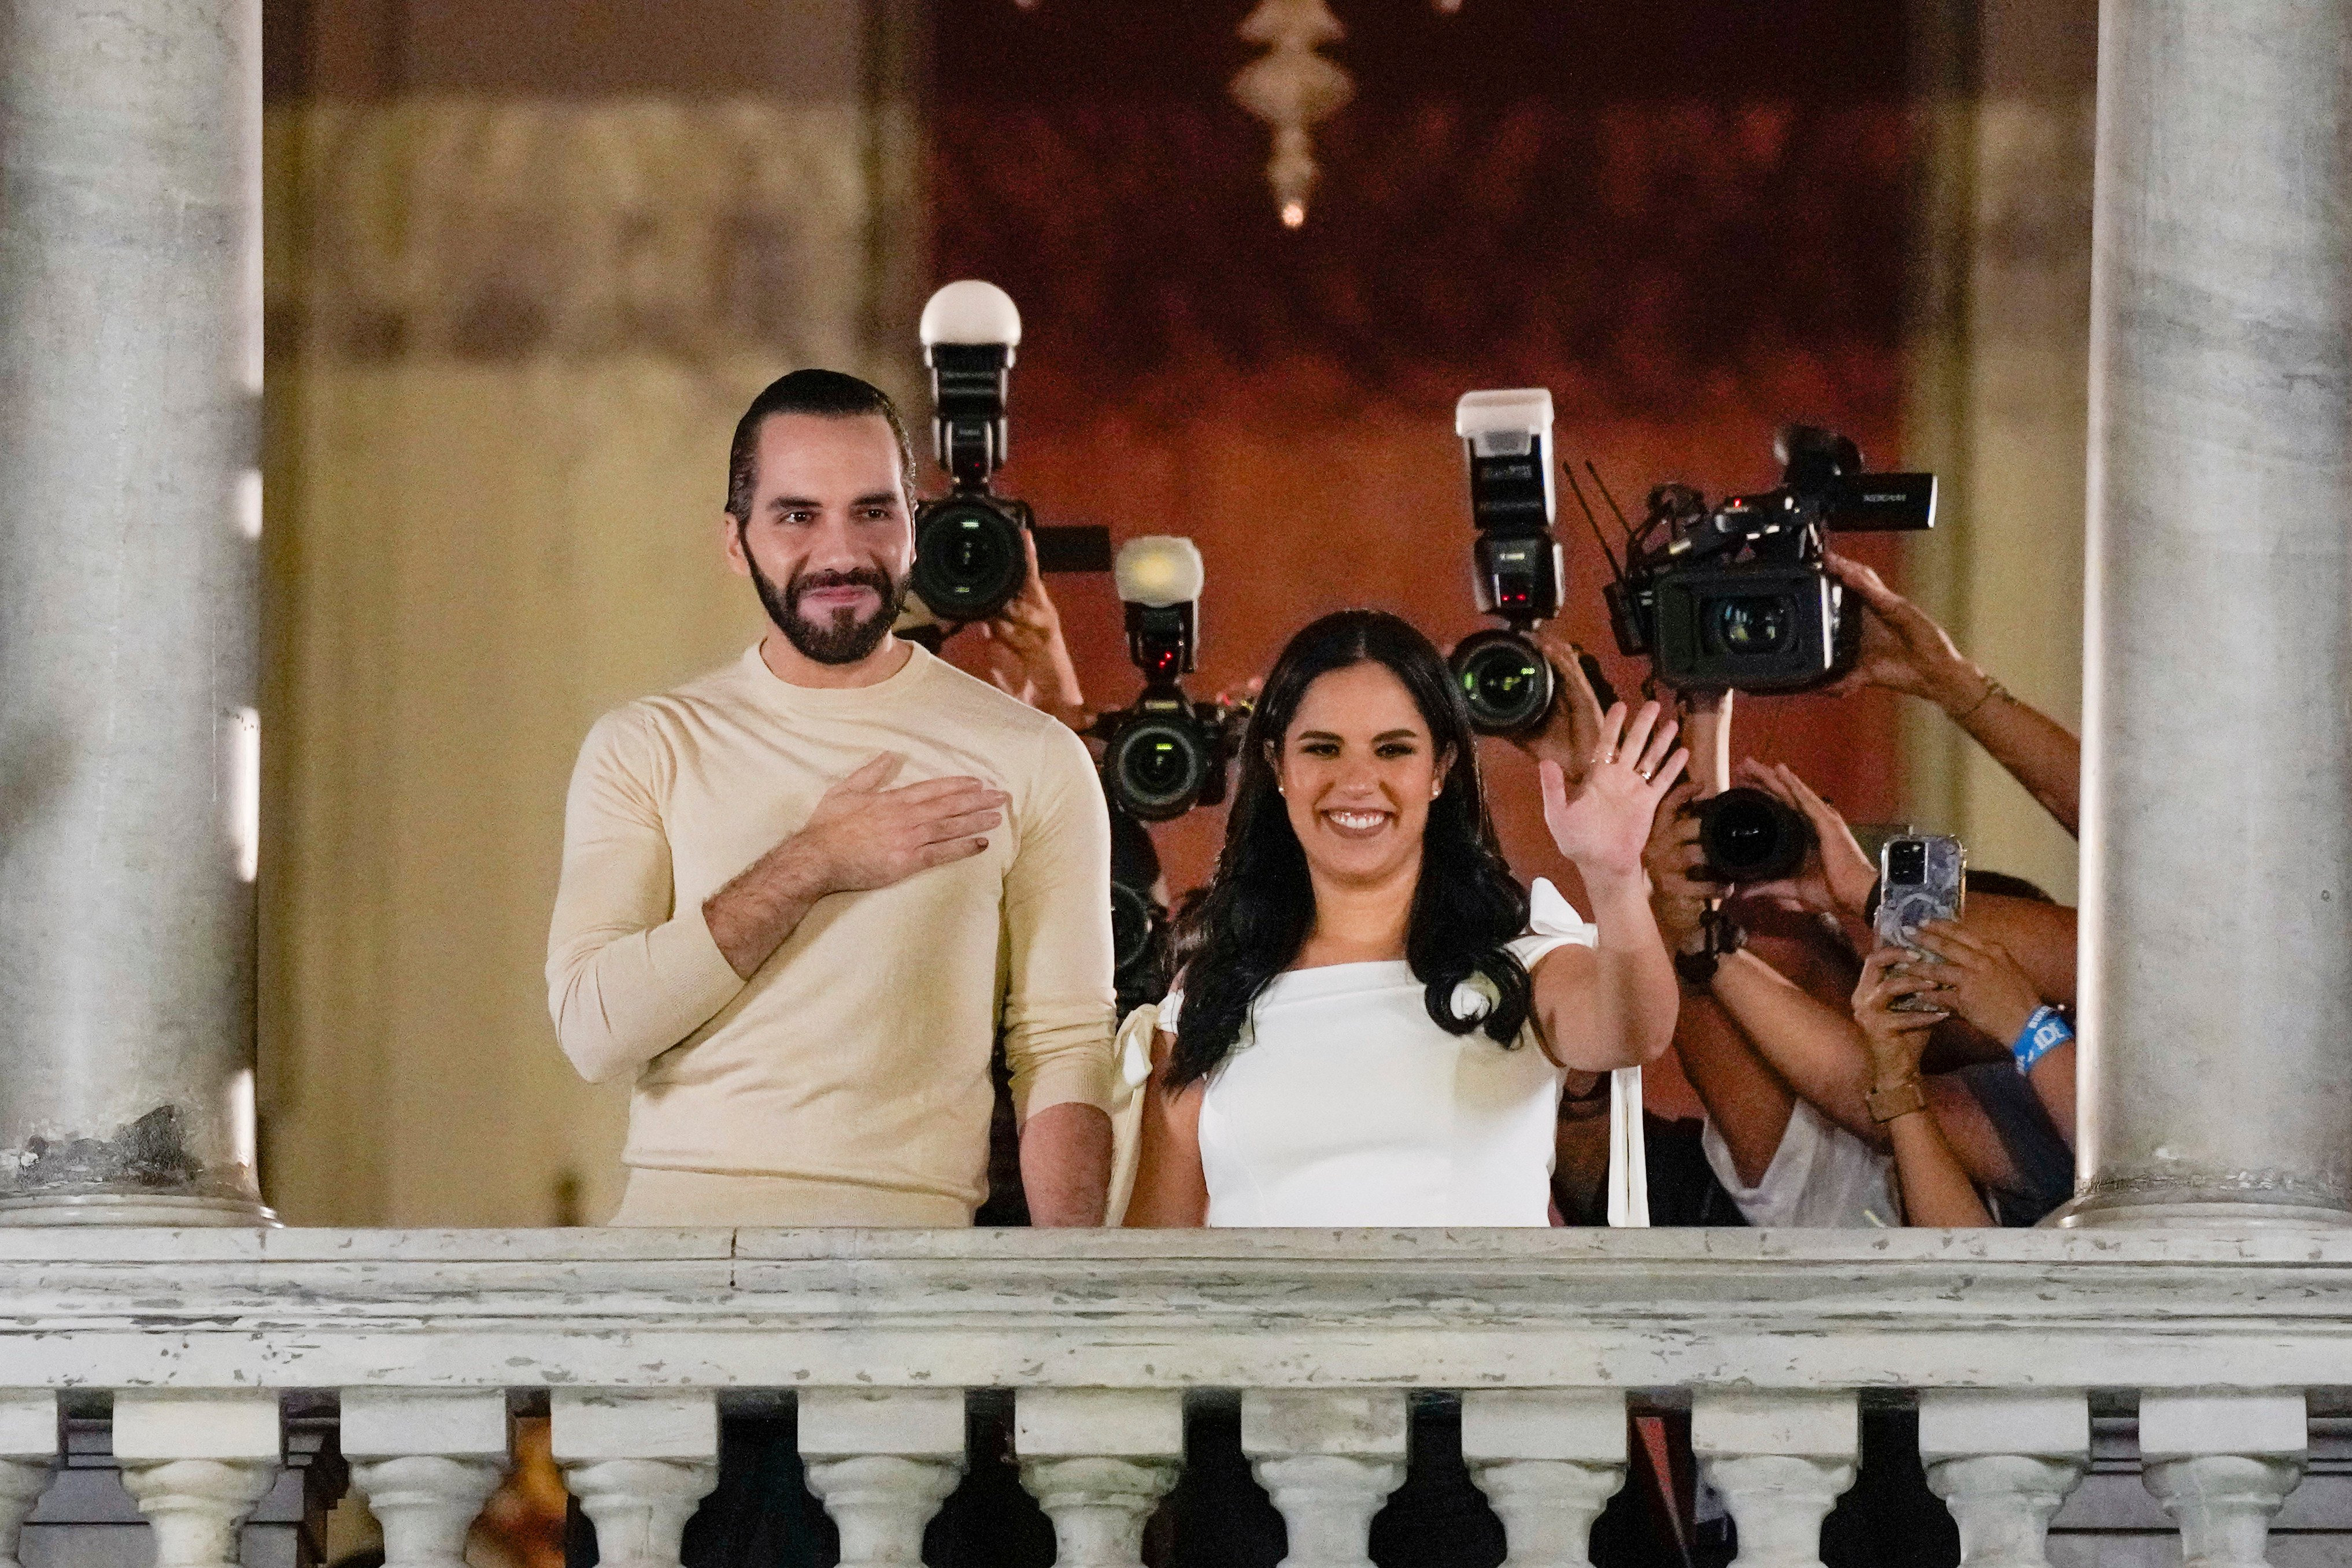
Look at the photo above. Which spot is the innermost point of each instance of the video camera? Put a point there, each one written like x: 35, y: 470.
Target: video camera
x: 968, y: 560
x: 1736, y: 595
x: 1165, y: 754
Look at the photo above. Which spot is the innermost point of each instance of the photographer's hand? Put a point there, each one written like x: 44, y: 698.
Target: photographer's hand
x: 1679, y: 901
x: 1836, y: 877
x: 1985, y: 985
x: 1936, y: 1188
x: 1029, y: 631
x: 860, y: 837
x: 1571, y: 730
x: 1903, y: 649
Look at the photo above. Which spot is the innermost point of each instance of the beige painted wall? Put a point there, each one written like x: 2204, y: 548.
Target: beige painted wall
x: 2000, y: 393
x: 512, y: 339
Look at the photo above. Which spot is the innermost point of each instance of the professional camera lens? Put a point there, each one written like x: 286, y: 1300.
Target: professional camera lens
x: 1750, y: 837
x: 968, y: 563
x: 1130, y: 926
x: 1157, y: 768
x: 1506, y: 679
x: 1753, y: 626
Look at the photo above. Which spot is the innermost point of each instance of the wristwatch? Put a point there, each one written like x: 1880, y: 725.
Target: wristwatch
x: 1897, y: 1099
x: 1722, y: 937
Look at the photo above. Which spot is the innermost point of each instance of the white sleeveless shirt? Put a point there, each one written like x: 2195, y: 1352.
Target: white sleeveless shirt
x: 1345, y: 1104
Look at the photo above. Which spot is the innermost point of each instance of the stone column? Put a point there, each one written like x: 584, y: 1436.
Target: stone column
x: 2217, y: 920
x: 1781, y: 1461
x: 882, y: 1462
x: 426, y: 1462
x: 1098, y: 1460
x: 130, y: 501
x: 1549, y: 1459
x: 2223, y: 1465
x: 2003, y: 1463
x: 640, y: 1464
x: 1328, y: 1460
x: 196, y: 1462
x: 29, y: 1453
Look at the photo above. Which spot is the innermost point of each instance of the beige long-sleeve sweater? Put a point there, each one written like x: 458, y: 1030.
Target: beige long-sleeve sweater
x: 858, y: 1055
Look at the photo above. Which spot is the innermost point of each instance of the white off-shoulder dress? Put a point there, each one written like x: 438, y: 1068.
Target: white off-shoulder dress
x: 1346, y: 1105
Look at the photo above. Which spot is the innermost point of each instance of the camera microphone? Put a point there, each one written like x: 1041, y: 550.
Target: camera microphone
x: 970, y: 559
x: 1506, y: 440
x: 1166, y: 754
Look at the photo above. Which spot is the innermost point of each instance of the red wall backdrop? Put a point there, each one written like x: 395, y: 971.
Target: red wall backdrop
x: 1687, y: 218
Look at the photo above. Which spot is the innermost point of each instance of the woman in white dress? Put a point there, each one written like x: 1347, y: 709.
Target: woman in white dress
x: 1369, y: 1029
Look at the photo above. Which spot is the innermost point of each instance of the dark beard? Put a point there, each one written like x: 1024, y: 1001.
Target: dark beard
x: 841, y: 639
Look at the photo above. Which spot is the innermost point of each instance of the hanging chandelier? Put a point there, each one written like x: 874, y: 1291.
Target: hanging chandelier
x: 1292, y: 87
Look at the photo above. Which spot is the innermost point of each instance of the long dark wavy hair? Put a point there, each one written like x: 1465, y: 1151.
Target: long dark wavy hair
x: 1261, y: 905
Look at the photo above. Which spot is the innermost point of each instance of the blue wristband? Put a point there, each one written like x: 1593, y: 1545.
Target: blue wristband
x: 2043, y: 1033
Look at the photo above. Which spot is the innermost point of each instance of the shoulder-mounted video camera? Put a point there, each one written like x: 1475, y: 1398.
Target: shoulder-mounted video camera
x: 1735, y: 595
x: 1516, y: 563
x: 1165, y: 754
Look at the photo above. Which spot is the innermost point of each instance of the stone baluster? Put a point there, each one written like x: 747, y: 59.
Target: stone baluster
x: 882, y: 1460
x: 2003, y: 1463
x: 638, y: 1463
x: 28, y: 1450
x: 1098, y: 1461
x: 1329, y: 1460
x: 426, y: 1462
x: 2222, y: 1465
x: 1549, y: 1460
x: 195, y: 1463
x: 1780, y: 1461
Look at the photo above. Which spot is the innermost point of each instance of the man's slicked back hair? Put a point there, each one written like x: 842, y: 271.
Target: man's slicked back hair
x: 826, y: 394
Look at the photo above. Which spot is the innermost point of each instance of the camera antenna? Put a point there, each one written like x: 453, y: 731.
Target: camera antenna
x: 1615, y: 571
x: 1620, y: 510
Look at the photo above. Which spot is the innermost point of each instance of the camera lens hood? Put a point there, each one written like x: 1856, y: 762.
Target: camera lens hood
x: 1749, y: 836
x: 1507, y: 680
x: 1158, y: 766
x: 969, y: 559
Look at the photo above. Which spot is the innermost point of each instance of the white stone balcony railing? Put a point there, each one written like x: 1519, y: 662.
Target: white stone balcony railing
x: 638, y: 1339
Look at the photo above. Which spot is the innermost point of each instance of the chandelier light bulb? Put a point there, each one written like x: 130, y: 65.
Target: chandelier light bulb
x: 1291, y: 87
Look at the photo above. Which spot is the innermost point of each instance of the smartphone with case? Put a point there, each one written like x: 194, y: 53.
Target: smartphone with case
x: 1921, y: 878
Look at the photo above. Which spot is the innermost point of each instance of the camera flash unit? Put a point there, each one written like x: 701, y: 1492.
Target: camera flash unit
x: 1159, y: 570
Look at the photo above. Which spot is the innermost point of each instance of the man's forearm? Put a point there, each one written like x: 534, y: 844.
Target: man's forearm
x: 1066, y: 1165
x: 750, y: 917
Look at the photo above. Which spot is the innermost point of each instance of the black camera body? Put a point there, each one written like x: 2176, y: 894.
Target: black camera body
x: 970, y: 556
x: 1735, y: 596
x: 1516, y: 563
x: 1165, y: 754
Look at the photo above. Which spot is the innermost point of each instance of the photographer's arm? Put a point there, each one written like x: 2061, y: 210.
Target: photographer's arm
x: 1936, y: 1189
x: 1903, y: 649
x: 1040, y: 670
x: 1746, y: 1103
x: 1057, y: 998
x: 1613, y: 1004
x: 2039, y: 936
x: 1817, y: 1050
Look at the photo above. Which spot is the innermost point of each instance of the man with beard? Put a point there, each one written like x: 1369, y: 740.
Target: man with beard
x: 803, y: 893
